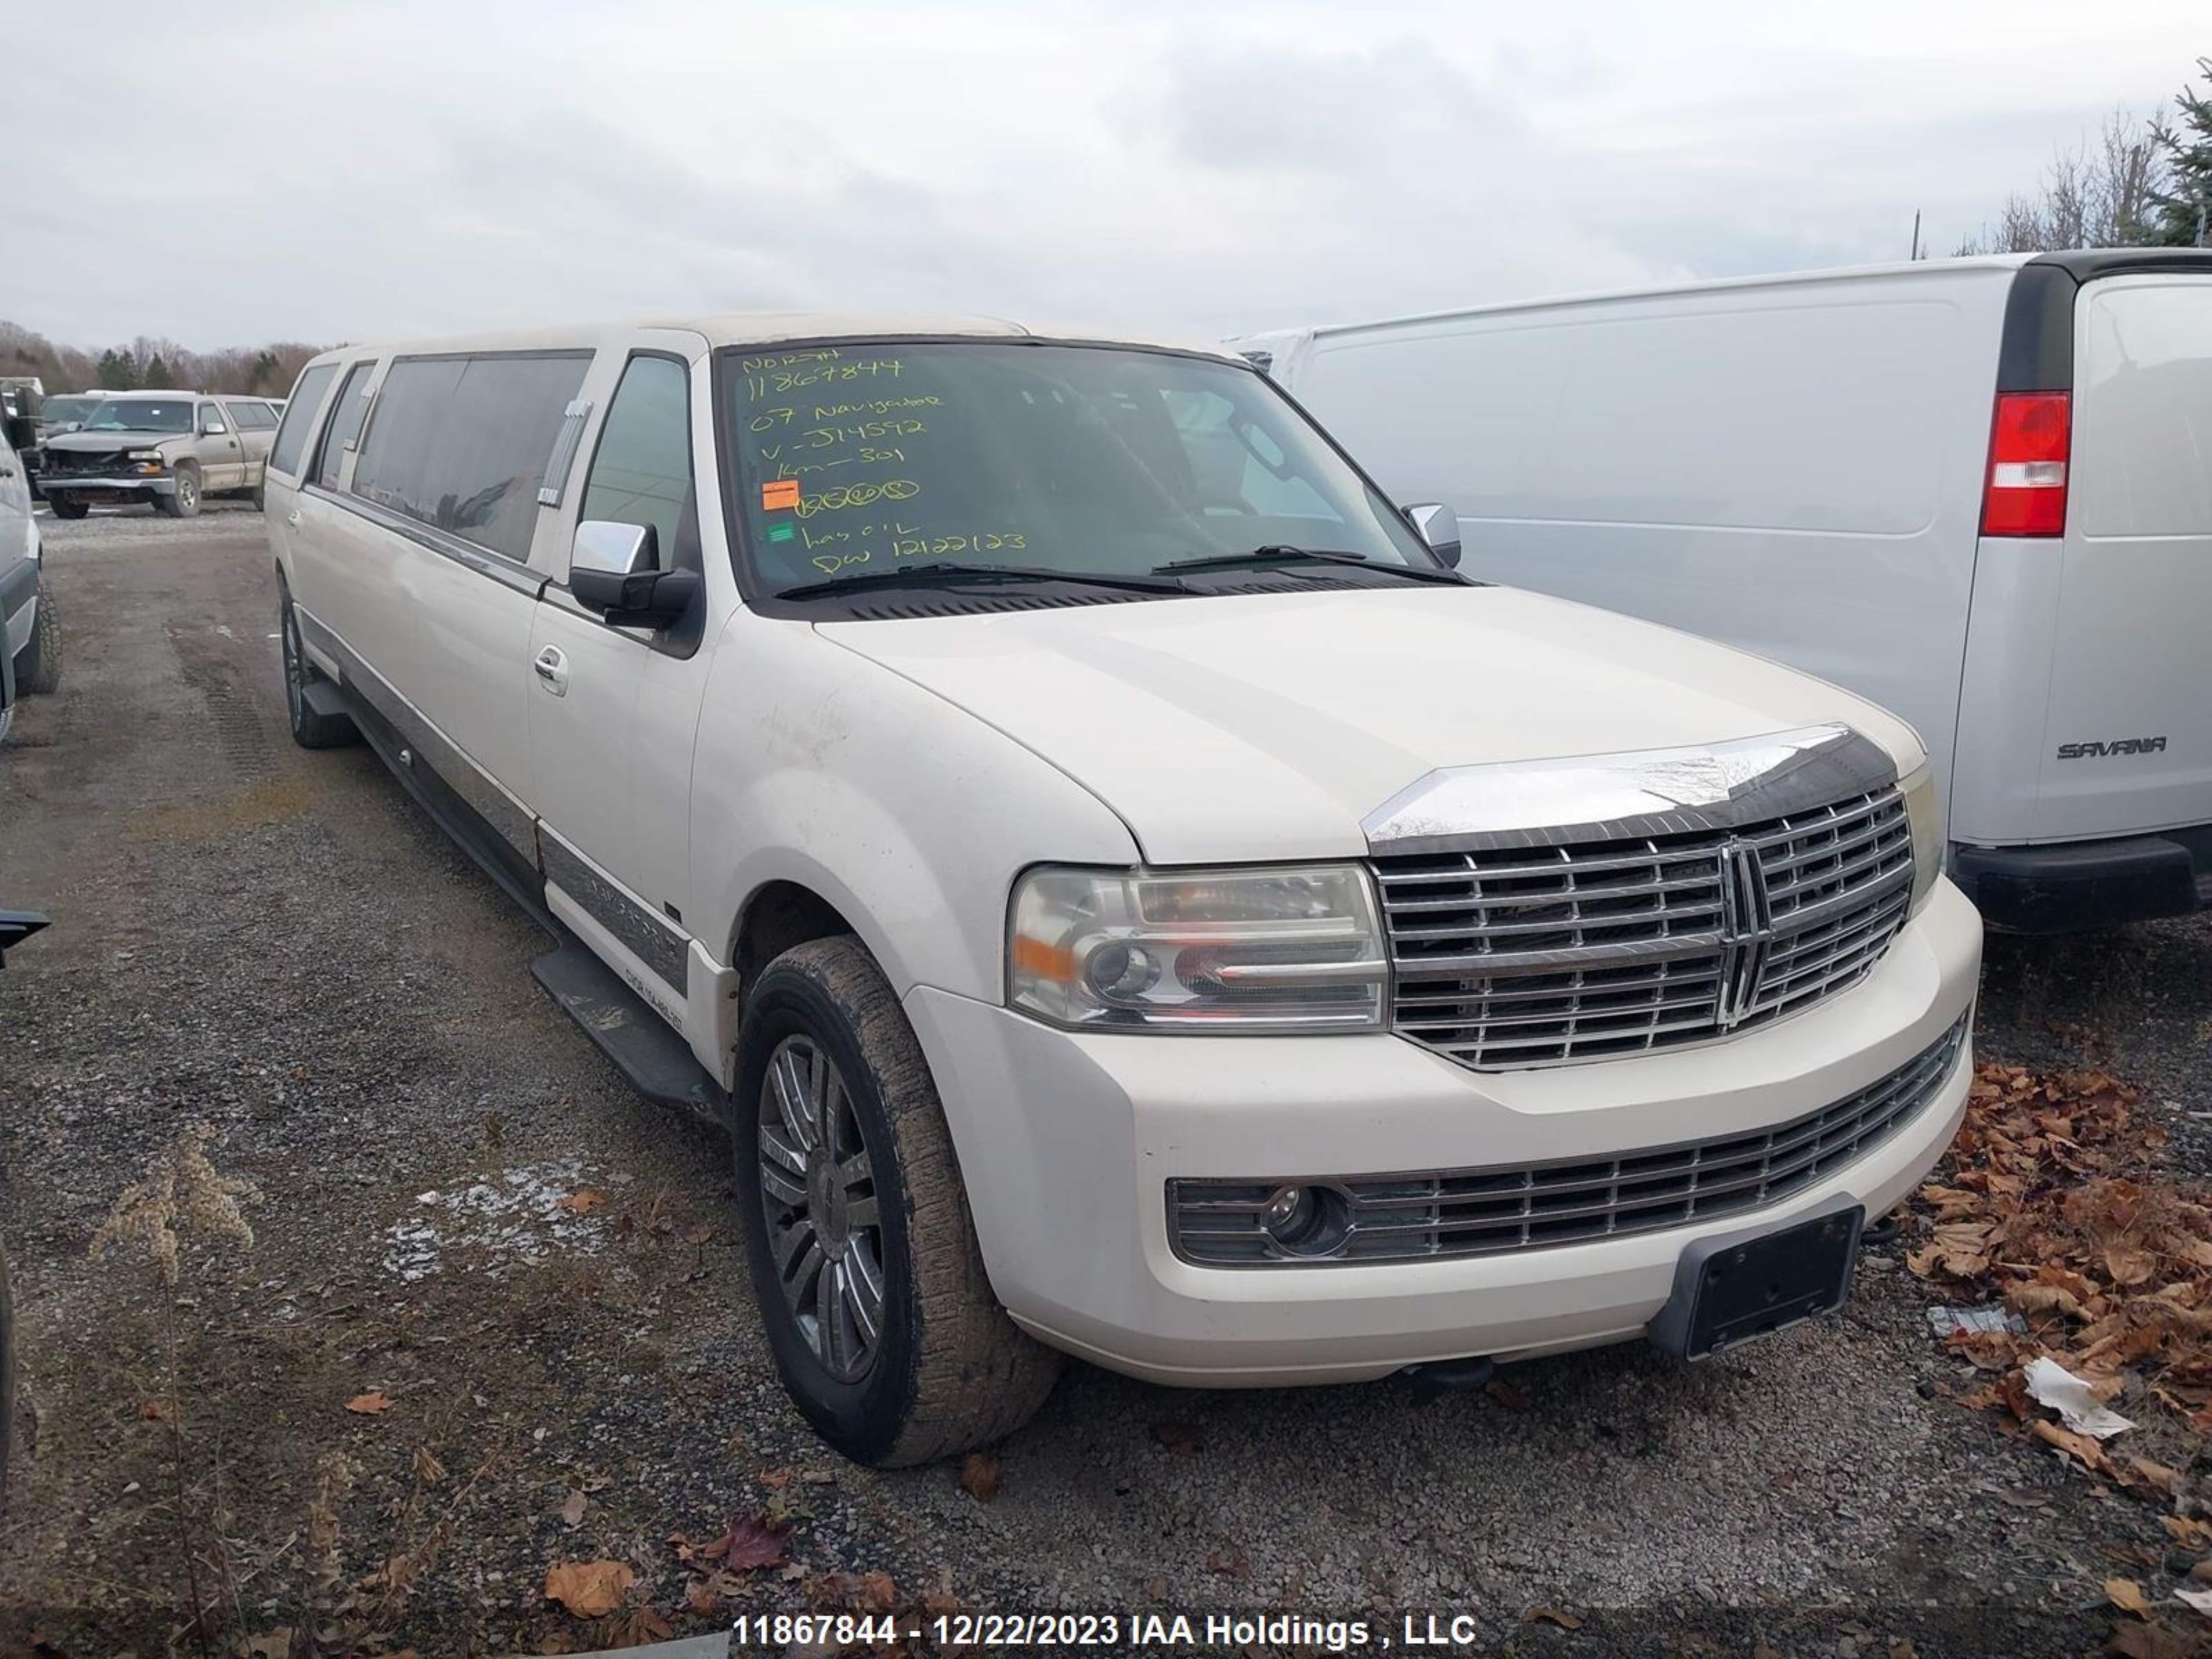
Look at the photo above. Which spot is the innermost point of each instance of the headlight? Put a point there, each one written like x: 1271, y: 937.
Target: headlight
x: 1272, y: 950
x: 1924, y: 812
x: 144, y: 455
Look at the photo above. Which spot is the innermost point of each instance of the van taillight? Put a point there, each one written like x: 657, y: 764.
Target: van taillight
x: 2026, y: 491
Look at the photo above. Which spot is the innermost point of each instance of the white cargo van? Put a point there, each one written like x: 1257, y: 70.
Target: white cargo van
x: 1978, y: 491
x: 1126, y: 894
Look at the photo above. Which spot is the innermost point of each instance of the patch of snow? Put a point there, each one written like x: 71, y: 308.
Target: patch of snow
x: 510, y: 1218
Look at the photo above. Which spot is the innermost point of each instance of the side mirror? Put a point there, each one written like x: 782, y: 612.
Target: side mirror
x: 212, y: 427
x: 614, y: 570
x: 1438, y: 526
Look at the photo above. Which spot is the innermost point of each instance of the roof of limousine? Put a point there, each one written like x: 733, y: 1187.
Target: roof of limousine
x: 773, y: 328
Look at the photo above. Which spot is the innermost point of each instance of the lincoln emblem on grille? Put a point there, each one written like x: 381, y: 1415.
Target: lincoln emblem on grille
x: 1746, y: 930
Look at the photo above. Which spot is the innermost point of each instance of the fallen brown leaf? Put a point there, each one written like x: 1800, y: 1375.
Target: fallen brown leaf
x: 751, y: 1542
x: 981, y: 1476
x: 2079, y: 1447
x: 589, y: 1589
x: 1511, y: 1396
x: 2154, y: 1641
x: 572, y: 1508
x: 1552, y: 1616
x: 369, y: 1404
x: 581, y: 1203
x: 878, y: 1592
x: 639, y: 1627
x: 2156, y: 1475
x: 1180, y: 1439
x: 2188, y: 1532
x: 2128, y: 1596
x: 703, y: 1596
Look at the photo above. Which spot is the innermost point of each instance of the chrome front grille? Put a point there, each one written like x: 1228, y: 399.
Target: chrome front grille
x: 82, y: 460
x: 1533, y: 1206
x: 1538, y: 954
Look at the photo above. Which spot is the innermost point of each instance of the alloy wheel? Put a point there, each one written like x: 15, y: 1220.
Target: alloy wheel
x: 818, y: 1189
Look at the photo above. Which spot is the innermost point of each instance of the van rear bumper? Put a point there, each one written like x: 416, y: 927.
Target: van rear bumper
x: 2070, y: 886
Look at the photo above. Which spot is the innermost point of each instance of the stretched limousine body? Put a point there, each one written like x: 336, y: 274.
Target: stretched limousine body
x: 1128, y: 895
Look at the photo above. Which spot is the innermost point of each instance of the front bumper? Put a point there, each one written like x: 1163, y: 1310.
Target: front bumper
x: 1066, y: 1142
x: 2065, y: 887
x: 102, y: 487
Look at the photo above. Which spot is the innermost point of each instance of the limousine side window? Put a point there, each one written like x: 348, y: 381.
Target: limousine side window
x: 461, y: 443
x: 641, y: 471
x: 299, y: 419
x: 345, y: 424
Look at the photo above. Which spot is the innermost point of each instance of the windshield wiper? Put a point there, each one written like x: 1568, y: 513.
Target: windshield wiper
x: 1283, y: 553
x: 954, y: 574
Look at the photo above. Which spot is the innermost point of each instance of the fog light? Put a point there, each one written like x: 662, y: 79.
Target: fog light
x: 1119, y: 972
x: 1305, y: 1220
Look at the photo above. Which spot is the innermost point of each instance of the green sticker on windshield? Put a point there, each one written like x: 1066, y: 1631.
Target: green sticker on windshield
x: 780, y: 532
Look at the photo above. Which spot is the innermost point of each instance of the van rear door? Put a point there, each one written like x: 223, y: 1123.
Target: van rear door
x: 2128, y: 737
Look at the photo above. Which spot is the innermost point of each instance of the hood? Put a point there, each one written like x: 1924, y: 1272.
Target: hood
x: 1267, y: 726
x: 100, y: 441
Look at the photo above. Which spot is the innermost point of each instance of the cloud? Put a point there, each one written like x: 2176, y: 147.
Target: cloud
x: 344, y: 170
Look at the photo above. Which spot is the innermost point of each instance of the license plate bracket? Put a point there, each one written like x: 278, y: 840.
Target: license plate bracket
x: 1730, y: 1290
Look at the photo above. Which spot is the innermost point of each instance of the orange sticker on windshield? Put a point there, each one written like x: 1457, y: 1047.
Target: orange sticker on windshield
x: 779, y: 492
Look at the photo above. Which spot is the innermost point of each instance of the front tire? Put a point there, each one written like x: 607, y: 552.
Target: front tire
x: 864, y: 1256
x: 67, y: 507
x: 39, y: 665
x: 309, y: 729
x: 185, y: 502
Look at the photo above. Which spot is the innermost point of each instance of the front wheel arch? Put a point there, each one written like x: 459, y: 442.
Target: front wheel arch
x: 953, y: 1372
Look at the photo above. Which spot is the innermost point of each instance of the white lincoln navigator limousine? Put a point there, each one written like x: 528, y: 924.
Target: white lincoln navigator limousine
x: 1127, y: 895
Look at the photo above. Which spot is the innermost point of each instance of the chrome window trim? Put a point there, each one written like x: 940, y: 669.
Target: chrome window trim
x: 1649, y: 792
x: 508, y: 573
x: 566, y: 443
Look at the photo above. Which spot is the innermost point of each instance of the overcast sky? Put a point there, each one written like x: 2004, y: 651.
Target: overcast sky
x: 324, y: 171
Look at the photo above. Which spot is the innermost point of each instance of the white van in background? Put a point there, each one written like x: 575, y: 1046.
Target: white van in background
x: 1979, y: 491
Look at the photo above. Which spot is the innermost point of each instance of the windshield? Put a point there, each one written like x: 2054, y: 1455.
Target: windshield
x: 67, y: 409
x: 142, y: 415
x: 861, y: 458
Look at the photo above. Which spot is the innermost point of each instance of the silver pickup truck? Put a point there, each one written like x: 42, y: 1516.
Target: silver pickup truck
x: 170, y: 450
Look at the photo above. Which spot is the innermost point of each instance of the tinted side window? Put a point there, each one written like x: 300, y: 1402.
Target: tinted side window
x: 252, y: 416
x: 641, y: 473
x: 213, y: 418
x: 461, y: 444
x: 345, y: 424
x: 299, y: 416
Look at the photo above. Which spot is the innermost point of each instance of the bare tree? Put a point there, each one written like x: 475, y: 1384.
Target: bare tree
x: 268, y: 370
x: 2089, y: 198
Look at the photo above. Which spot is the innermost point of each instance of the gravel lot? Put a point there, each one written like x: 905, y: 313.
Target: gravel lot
x: 278, y: 945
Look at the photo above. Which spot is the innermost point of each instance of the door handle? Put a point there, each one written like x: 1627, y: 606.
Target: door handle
x: 552, y: 665
x: 293, y: 517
